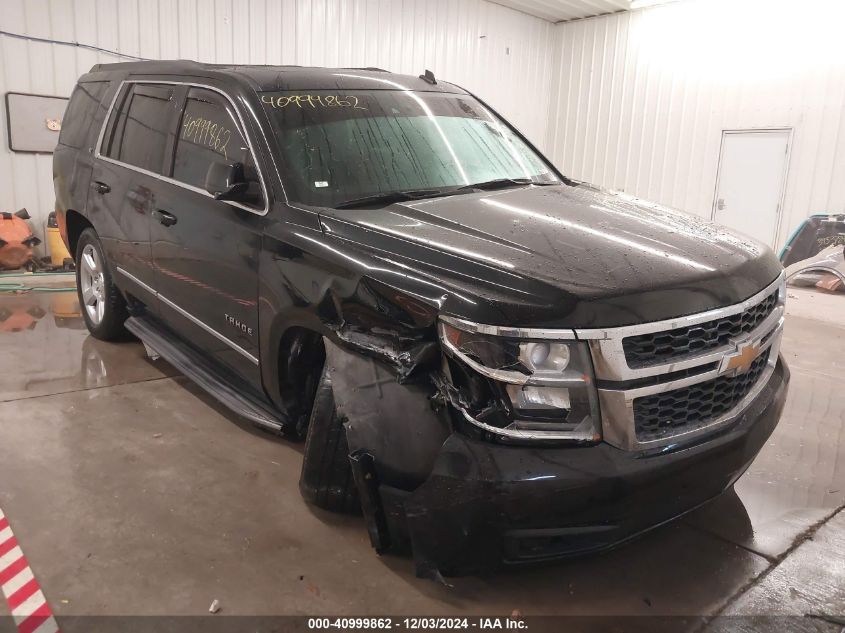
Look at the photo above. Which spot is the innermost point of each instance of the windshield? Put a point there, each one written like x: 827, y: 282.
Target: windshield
x: 340, y: 146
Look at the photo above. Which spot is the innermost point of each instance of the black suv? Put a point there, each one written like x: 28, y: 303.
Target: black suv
x: 493, y: 363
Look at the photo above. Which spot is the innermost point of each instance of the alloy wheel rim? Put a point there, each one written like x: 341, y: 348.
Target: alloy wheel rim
x: 93, y: 284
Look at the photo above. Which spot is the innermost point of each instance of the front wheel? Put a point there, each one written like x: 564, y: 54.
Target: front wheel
x: 103, y: 307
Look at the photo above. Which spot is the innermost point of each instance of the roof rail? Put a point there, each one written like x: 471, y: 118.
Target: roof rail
x: 370, y: 68
x: 144, y: 62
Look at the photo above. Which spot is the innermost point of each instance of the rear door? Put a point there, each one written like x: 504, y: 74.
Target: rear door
x: 137, y: 138
x: 206, y: 251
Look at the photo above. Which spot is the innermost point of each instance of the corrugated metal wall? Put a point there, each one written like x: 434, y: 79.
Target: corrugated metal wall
x: 632, y: 101
x: 641, y: 98
x: 504, y: 56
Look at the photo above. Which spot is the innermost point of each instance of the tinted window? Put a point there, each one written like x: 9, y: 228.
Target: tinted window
x: 78, y: 123
x: 138, y: 135
x: 209, y: 133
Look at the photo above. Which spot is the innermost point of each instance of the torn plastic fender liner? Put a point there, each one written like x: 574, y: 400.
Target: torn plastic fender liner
x: 451, y: 526
x: 396, y: 424
x: 394, y: 431
x: 363, y: 472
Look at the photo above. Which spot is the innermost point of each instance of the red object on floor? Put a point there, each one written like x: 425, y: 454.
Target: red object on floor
x: 23, y: 594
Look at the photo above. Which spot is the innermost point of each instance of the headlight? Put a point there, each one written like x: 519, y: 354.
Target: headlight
x: 546, y: 386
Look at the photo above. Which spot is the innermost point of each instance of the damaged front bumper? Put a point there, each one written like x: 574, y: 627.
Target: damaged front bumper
x: 466, y: 505
x: 485, y: 504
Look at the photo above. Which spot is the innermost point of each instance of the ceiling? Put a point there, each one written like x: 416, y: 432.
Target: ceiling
x: 561, y: 10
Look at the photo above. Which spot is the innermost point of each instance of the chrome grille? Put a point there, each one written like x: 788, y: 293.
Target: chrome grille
x: 658, y: 347
x: 660, y: 381
x: 682, y: 410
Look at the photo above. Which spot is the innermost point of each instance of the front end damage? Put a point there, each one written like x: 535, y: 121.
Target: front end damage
x: 524, y: 377
x: 445, y: 468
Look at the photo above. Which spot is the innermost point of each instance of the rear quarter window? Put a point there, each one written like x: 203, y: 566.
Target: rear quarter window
x: 79, y: 125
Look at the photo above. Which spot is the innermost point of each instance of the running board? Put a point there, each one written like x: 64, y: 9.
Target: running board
x: 160, y: 342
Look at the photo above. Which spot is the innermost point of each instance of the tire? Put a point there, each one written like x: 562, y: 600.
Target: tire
x: 326, y: 480
x: 103, y: 306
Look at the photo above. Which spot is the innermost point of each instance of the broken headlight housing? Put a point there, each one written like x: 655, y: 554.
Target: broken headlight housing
x: 539, y: 387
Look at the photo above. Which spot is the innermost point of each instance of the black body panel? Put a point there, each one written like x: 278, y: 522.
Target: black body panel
x: 128, y: 205
x: 207, y: 264
x: 566, y: 256
x: 248, y: 300
x: 563, y: 256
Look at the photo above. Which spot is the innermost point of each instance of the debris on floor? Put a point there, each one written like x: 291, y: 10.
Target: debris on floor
x: 825, y: 270
x: 215, y: 607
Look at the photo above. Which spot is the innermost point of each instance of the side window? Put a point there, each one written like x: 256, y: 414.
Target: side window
x: 81, y: 112
x: 140, y: 126
x: 209, y: 134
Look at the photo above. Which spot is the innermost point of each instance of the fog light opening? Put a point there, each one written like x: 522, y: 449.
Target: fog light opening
x: 528, y: 398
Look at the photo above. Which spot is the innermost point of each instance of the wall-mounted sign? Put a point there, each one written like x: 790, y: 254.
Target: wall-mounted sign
x: 34, y: 121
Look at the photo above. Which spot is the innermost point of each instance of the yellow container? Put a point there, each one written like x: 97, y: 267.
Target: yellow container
x: 58, y: 251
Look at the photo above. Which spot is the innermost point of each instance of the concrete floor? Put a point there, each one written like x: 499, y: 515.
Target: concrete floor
x: 132, y: 492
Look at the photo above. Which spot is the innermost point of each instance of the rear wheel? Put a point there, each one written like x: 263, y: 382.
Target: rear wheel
x: 326, y: 479
x: 103, y: 307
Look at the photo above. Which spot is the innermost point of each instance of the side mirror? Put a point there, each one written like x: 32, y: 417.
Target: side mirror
x: 225, y: 181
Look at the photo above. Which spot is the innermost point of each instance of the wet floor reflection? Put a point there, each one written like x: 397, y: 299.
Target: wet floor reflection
x: 798, y: 479
x: 673, y: 570
x: 45, y: 349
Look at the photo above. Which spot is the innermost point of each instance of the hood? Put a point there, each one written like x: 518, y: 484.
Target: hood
x: 563, y: 256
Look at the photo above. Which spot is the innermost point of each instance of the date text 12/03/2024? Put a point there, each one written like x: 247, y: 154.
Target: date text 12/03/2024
x: 418, y: 623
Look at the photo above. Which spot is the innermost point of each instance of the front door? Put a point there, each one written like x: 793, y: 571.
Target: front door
x: 205, y: 251
x: 752, y: 174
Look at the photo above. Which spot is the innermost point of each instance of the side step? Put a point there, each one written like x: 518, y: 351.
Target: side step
x: 179, y: 354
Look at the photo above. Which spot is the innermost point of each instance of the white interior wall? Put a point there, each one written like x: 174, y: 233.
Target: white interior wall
x: 640, y: 99
x: 632, y: 101
x: 502, y: 55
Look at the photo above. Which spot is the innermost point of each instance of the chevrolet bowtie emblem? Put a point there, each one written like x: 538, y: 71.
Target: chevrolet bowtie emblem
x: 740, y: 361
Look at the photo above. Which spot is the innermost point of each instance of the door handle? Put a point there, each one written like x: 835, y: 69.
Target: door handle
x: 165, y: 218
x: 720, y: 204
x: 101, y: 187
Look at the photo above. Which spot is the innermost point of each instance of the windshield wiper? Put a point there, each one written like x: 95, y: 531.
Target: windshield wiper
x: 502, y: 183
x: 419, y: 194
x: 388, y: 197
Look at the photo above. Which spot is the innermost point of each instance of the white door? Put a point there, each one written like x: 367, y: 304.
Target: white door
x: 752, y: 173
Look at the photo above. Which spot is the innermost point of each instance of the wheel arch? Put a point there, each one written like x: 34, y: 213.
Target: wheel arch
x: 75, y: 223
x: 295, y: 370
